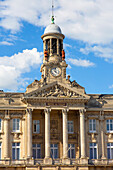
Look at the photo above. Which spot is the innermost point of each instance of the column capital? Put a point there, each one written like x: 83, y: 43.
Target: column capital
x: 29, y: 110
x: 65, y: 110
x: 82, y: 111
x: 47, y: 110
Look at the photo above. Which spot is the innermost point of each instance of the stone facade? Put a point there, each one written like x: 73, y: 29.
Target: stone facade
x: 55, y: 125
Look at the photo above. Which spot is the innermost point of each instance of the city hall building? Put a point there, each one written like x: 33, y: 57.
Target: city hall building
x: 55, y: 125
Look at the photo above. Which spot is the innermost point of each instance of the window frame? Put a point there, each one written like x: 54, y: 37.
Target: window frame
x: 92, y: 125
x: 109, y: 125
x: 0, y: 150
x: 16, y: 147
x: 71, y: 148
x: 36, y: 124
x: 1, y: 125
x: 110, y: 147
x: 54, y: 148
x: 69, y: 126
x: 37, y: 149
x: 93, y: 147
x: 16, y: 125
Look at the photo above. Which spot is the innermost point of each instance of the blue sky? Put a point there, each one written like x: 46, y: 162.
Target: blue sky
x: 88, y: 29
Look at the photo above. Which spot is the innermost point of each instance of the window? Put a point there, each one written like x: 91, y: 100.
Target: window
x: 36, y: 126
x: 71, y: 150
x: 93, y: 150
x: 36, y: 151
x: 15, y: 151
x: 0, y: 149
x: 109, y: 125
x: 0, y: 124
x: 110, y: 150
x: 16, y: 125
x: 54, y: 151
x: 92, y: 125
x: 70, y: 127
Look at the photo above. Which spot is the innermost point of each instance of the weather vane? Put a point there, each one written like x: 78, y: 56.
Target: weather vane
x: 52, y: 19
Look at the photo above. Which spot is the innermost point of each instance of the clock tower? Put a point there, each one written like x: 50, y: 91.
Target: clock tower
x: 54, y: 64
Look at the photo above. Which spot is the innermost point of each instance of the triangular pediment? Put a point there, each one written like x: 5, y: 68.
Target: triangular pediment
x: 57, y: 90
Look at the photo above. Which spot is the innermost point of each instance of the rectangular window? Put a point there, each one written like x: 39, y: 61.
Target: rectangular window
x: 36, y: 151
x: 110, y: 150
x: 15, y: 151
x: 0, y: 149
x: 16, y: 125
x: 54, y: 151
x: 109, y: 125
x: 71, y: 150
x: 93, y: 150
x: 70, y: 127
x: 36, y: 126
x: 0, y: 124
x: 92, y: 125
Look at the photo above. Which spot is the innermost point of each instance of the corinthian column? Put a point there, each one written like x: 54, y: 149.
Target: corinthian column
x: 29, y: 133
x: 82, y: 133
x: 6, y: 137
x: 65, y: 134
x: 47, y: 159
x: 47, y: 132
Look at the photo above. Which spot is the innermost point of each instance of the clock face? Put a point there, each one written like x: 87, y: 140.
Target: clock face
x: 55, y: 71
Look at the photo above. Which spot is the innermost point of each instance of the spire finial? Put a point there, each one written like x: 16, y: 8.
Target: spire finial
x: 52, y: 18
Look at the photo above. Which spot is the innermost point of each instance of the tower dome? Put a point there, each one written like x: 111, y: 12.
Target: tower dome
x: 52, y: 28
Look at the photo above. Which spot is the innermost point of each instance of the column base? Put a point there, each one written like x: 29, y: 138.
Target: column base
x: 30, y: 161
x: 7, y: 161
x: 84, y: 160
x: 66, y: 161
x: 48, y: 161
x: 103, y: 157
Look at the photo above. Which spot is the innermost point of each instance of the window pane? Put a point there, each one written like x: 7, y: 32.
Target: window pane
x: 95, y: 153
x: 34, y: 153
x: 13, y: 153
x: 38, y: 153
x: 18, y: 153
x: 91, y: 153
x: 73, y: 153
x: 56, y: 153
x: 108, y: 153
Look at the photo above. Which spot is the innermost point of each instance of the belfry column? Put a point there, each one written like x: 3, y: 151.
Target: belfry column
x: 82, y: 134
x: 57, y: 46
x: 65, y: 137
x: 51, y: 51
x: 29, y: 133
x: 47, y: 159
x: 6, y: 137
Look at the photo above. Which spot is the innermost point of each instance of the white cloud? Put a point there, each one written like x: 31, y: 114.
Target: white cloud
x: 12, y: 68
x: 103, y: 51
x: 6, y: 43
x: 67, y: 45
x: 79, y: 62
x: 87, y: 20
x: 111, y: 87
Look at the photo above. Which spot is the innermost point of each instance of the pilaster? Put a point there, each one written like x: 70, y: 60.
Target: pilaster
x: 29, y: 133
x: 6, y: 137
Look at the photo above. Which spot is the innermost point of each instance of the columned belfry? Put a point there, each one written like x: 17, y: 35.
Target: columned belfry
x: 54, y: 64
